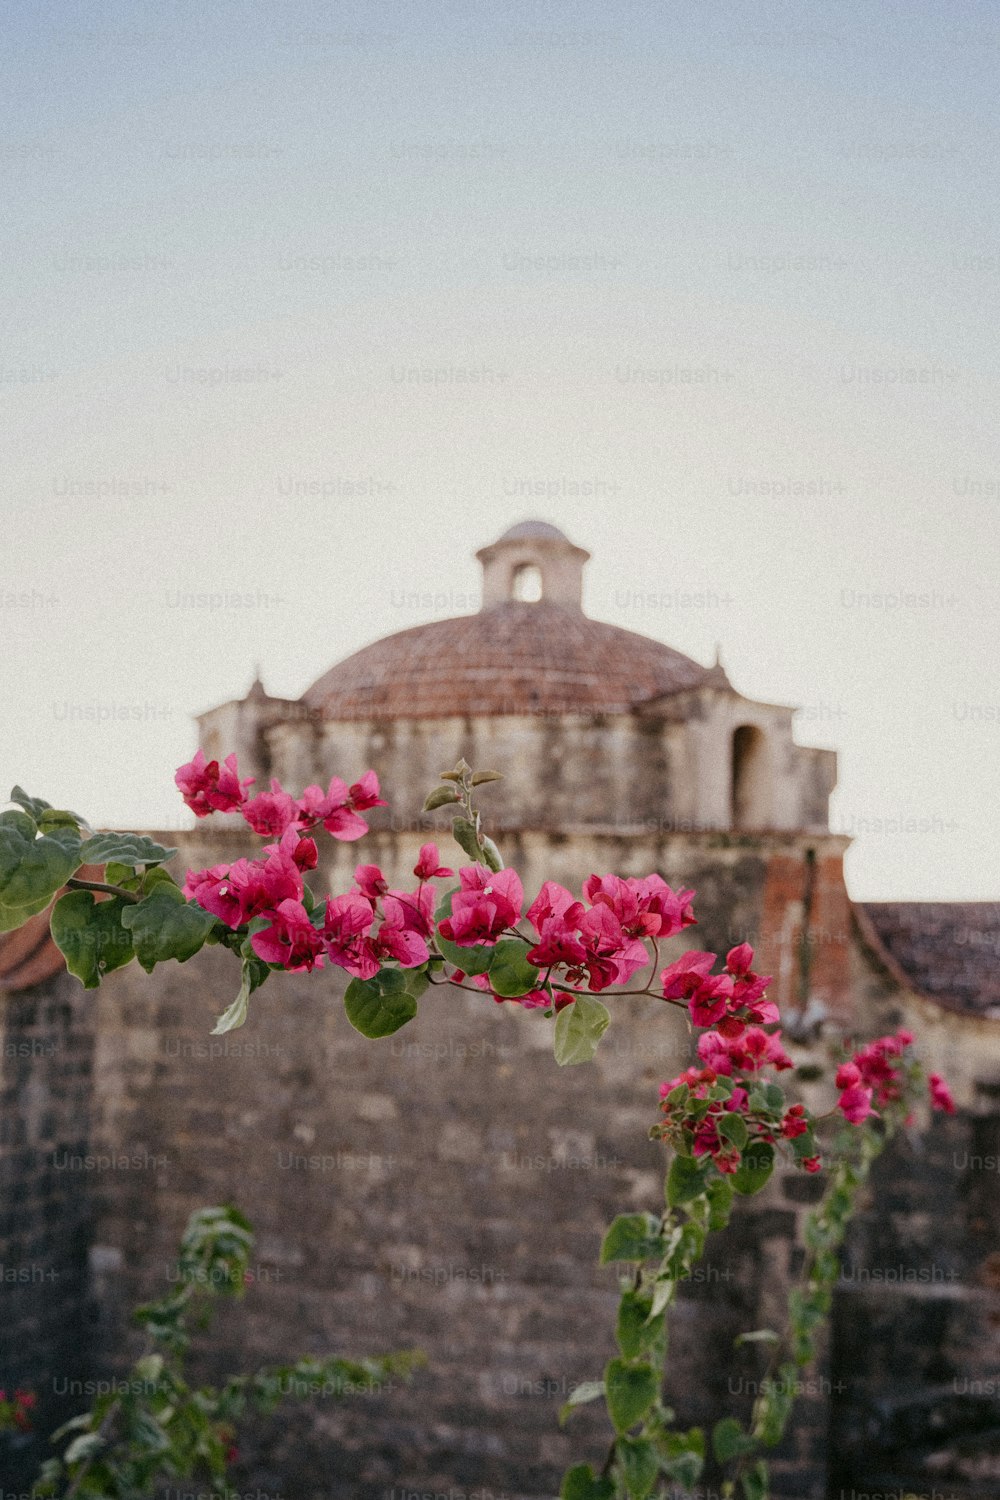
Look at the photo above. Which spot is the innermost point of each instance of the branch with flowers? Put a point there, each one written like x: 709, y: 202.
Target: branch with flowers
x: 726, y: 1119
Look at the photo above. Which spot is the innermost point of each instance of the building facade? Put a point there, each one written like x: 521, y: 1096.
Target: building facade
x: 445, y: 1188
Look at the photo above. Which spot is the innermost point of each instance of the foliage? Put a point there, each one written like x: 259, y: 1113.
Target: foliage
x: 152, y: 1425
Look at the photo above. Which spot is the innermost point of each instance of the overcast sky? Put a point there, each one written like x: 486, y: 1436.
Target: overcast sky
x: 735, y: 266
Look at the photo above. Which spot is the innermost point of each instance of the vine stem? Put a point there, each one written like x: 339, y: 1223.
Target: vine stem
x: 99, y: 885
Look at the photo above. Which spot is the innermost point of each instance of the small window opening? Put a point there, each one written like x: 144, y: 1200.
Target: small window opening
x: 526, y: 585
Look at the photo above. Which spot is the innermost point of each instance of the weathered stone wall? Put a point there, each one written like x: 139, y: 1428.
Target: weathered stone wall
x: 445, y: 1188
x: 46, y: 1208
x: 650, y: 770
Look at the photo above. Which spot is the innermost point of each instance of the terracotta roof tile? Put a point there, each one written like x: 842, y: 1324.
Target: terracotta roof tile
x: 950, y: 950
x: 512, y: 659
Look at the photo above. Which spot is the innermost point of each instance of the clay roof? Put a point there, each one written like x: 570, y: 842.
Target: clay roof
x: 513, y: 658
x: 948, y: 950
x: 28, y: 955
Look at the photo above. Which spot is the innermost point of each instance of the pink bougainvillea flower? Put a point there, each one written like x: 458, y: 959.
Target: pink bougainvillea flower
x: 416, y: 909
x: 645, y: 908
x: 554, y: 900
x: 301, y: 851
x: 365, y: 793
x: 271, y: 813
x: 238, y: 892
x: 811, y: 1163
x: 710, y: 1000
x: 940, y: 1093
x: 486, y: 904
x: 794, y: 1122
x: 428, y: 866
x: 291, y: 940
x: 370, y: 882
x: 681, y: 978
x: 612, y: 957
x: 714, y: 1052
x: 347, y: 922
x: 337, y: 808
x: 855, y: 1104
x: 739, y: 960
x: 848, y: 1074
x: 208, y: 787
x: 557, y: 944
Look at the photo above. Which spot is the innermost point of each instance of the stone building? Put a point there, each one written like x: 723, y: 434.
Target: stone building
x: 446, y: 1188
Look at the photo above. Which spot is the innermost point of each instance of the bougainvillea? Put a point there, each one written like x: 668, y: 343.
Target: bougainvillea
x: 726, y: 1117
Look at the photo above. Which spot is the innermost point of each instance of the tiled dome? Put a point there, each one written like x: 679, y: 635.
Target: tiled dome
x: 513, y: 658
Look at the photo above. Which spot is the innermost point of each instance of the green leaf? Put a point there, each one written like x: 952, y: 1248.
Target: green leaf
x: 732, y: 1127
x: 686, y: 1179
x: 579, y: 1483
x: 755, y: 1481
x: 639, y: 1466
x: 684, y: 1456
x: 379, y: 1006
x: 480, y: 778
x: 755, y: 1167
x: 441, y: 796
x: 757, y: 1336
x: 21, y: 821
x: 588, y: 1390
x: 466, y: 837
x: 124, y: 848
x: 491, y: 854
x: 16, y: 916
x: 87, y: 1445
x: 632, y: 1237
x: 720, y: 1198
x: 163, y: 925
x: 639, y: 1331
x: 470, y: 960
x: 729, y: 1440
x: 631, y: 1389
x: 90, y: 935
x: 510, y: 972
x: 578, y: 1030
x: 33, y: 806
x: 32, y: 869
x: 253, y: 974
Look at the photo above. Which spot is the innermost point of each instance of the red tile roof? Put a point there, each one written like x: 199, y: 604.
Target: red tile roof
x: 512, y: 659
x: 948, y: 950
x: 28, y: 955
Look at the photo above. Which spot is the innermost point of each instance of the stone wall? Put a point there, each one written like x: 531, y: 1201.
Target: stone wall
x: 46, y: 1207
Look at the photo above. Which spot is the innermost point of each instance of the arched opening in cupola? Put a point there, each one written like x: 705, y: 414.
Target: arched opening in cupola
x: 526, y: 583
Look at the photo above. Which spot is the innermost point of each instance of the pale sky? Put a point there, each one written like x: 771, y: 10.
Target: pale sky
x: 734, y: 265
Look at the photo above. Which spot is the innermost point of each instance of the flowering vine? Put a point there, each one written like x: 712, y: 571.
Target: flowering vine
x: 725, y: 1118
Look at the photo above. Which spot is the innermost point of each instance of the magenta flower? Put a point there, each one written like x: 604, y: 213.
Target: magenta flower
x: 681, y: 978
x: 940, y: 1093
x: 557, y: 944
x: 710, y: 1001
x: 855, y: 1104
x: 554, y: 900
x: 206, y: 787
x: 428, y: 866
x: 347, y: 923
x: 370, y: 882
x: 273, y: 813
x: 487, y: 903
x: 291, y: 940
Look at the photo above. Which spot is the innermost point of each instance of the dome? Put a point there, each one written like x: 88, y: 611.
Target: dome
x: 512, y: 658
x: 533, y: 531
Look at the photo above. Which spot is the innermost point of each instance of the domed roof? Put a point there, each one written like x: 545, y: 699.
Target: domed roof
x: 513, y: 658
x: 533, y: 530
